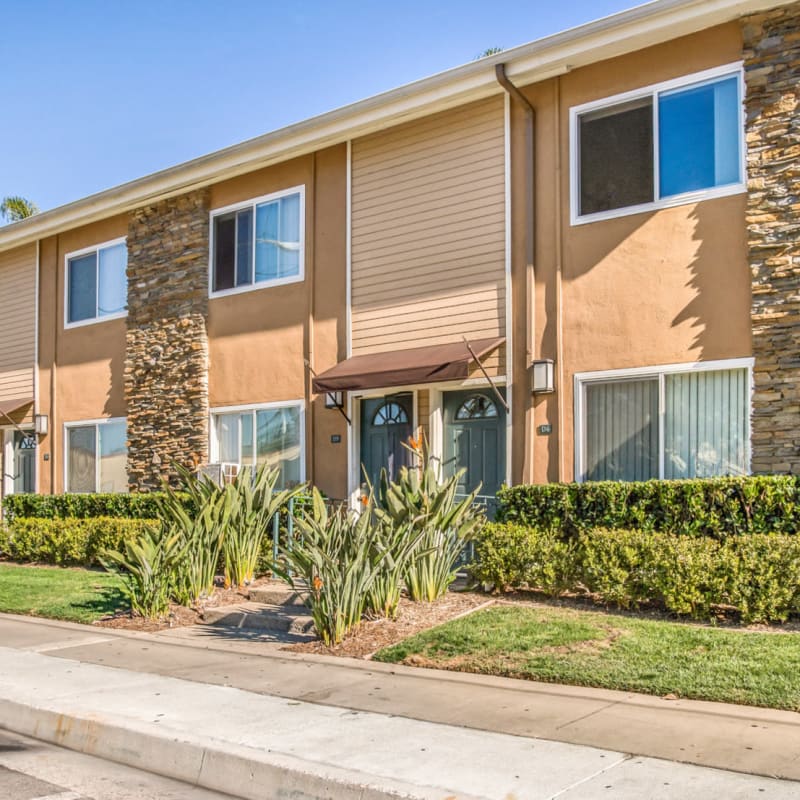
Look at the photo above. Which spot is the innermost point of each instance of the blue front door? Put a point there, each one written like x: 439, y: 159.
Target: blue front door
x: 475, y: 439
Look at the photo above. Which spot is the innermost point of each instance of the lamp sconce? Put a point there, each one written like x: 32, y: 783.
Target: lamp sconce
x: 41, y: 424
x: 334, y: 400
x: 543, y: 379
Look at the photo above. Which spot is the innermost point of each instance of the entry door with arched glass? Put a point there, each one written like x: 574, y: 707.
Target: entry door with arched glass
x: 385, y: 426
x: 475, y: 439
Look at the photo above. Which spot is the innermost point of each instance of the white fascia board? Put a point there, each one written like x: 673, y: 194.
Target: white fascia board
x: 611, y: 36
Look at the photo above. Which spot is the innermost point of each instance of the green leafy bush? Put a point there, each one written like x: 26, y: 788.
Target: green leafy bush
x: 69, y: 542
x: 138, y: 505
x: 510, y: 556
x: 425, y: 504
x: 148, y: 565
x: 715, y: 507
x: 200, y: 532
x: 757, y: 575
x: 255, y: 501
x: 338, y: 559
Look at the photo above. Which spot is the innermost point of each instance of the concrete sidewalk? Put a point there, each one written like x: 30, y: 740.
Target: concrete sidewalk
x: 428, y: 733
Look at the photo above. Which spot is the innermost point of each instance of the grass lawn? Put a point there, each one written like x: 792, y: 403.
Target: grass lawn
x: 79, y: 595
x: 593, y: 648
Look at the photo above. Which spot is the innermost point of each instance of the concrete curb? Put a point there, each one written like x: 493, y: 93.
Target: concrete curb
x: 240, y: 771
x: 555, y: 690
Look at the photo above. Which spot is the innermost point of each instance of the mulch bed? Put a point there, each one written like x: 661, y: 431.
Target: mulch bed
x: 373, y: 635
x: 180, y: 616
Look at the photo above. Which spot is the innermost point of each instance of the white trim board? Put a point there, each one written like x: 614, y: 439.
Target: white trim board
x: 612, y: 36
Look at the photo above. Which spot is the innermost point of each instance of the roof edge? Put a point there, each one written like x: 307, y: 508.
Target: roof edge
x: 539, y: 60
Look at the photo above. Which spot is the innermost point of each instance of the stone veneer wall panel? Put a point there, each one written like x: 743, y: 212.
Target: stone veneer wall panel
x: 772, y: 77
x: 166, y: 359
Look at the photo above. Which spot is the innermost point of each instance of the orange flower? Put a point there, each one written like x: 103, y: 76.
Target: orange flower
x: 415, y: 444
x: 317, y: 582
x: 364, y: 500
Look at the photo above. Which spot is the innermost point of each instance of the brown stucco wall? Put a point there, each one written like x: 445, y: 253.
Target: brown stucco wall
x: 80, y: 369
x: 258, y: 340
x: 662, y: 287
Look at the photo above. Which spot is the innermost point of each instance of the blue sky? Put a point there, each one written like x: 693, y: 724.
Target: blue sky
x: 98, y: 92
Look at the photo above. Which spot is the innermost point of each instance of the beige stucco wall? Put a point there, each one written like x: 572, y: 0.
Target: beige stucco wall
x: 81, y: 369
x: 258, y: 340
x: 646, y: 289
x: 670, y: 286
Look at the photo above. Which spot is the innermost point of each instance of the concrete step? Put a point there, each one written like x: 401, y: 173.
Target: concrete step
x: 261, y: 617
x: 276, y: 594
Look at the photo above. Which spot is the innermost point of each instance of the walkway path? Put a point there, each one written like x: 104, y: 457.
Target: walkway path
x: 422, y: 732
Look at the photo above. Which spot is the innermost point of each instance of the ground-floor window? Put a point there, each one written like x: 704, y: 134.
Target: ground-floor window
x: 265, y: 434
x: 672, y: 422
x: 96, y: 456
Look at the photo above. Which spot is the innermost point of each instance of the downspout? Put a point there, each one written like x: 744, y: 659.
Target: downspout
x: 530, y: 243
x: 310, y: 275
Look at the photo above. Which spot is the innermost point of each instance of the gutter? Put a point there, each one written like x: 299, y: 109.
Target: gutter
x: 529, y: 63
x: 530, y: 256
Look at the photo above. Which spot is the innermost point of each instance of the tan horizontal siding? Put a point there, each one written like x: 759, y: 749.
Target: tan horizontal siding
x: 17, y: 322
x: 428, y: 230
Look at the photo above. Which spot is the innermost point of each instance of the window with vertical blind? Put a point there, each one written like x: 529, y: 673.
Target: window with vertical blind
x: 673, y: 422
x: 97, y: 455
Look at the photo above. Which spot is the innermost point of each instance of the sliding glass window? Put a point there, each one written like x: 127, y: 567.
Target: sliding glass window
x: 670, y: 424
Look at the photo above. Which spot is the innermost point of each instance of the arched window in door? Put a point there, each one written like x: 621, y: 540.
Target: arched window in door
x: 477, y: 406
x: 390, y: 413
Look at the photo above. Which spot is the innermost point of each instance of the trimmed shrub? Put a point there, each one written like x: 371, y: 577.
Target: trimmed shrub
x: 136, y: 505
x: 513, y: 556
x: 75, y: 542
x: 757, y: 575
x: 715, y: 507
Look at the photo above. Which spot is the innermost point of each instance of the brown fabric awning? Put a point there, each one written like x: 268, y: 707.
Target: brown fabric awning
x: 10, y: 406
x: 440, y: 362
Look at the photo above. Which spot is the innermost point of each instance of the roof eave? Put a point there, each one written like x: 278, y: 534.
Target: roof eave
x: 606, y: 38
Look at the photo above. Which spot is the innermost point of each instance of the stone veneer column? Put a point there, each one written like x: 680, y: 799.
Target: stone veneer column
x: 772, y: 77
x: 166, y: 358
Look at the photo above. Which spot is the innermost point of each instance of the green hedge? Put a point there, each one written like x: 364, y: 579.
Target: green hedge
x: 139, y: 505
x: 71, y: 541
x: 757, y: 575
x: 715, y: 507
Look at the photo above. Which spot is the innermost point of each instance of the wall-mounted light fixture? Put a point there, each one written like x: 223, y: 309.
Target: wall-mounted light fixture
x: 334, y: 400
x: 543, y: 378
x: 41, y: 424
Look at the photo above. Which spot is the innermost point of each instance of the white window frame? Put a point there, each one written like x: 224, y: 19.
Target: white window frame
x: 95, y: 248
x: 251, y: 287
x: 735, y: 69
x: 213, y: 445
x: 85, y: 423
x: 584, y: 379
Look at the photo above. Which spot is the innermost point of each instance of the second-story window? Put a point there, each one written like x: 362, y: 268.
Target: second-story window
x: 97, y: 285
x: 680, y: 141
x: 259, y: 242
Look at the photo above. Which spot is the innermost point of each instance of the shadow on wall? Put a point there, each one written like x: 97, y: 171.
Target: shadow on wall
x: 117, y: 368
x: 719, y: 313
x: 631, y: 283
